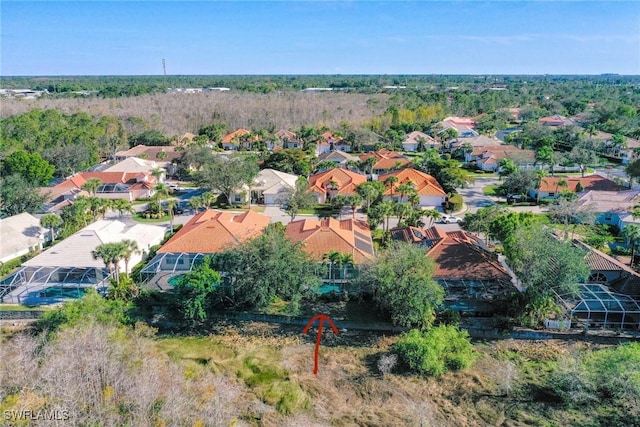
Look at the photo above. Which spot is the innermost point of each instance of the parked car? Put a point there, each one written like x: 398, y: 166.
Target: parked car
x: 450, y: 219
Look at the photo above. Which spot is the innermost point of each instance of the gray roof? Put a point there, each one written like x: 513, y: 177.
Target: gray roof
x: 270, y: 181
x: 75, y: 251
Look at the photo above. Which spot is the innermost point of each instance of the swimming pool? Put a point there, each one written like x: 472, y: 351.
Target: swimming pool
x: 61, y: 292
x: 174, y: 280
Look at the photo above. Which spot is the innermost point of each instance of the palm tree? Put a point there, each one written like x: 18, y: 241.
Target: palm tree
x: 406, y: 187
x: 353, y: 165
x: 208, y: 199
x: 388, y: 209
x: 92, y: 185
x: 561, y: 183
x: 431, y: 215
x: 631, y: 232
x: 111, y: 254
x: 130, y: 248
x: 368, y: 163
x: 51, y: 221
x: 340, y: 260
x: 331, y: 187
x: 98, y: 206
x: 122, y: 206
x: 354, y: 200
x: 390, y: 182
x: 158, y: 173
x: 171, y: 205
x: 161, y: 192
x: 540, y: 174
x: 402, y: 210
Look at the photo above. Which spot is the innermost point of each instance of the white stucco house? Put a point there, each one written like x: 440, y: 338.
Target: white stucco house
x: 269, y: 183
x: 19, y: 235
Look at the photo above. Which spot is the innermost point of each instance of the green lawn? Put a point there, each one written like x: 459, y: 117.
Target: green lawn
x: 16, y: 307
x: 491, y: 190
x: 138, y: 218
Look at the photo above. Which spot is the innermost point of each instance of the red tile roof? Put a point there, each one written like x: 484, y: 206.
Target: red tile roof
x: 232, y: 137
x: 321, y: 236
x: 285, y: 134
x: 78, y: 180
x: 347, y: 181
x: 415, y: 137
x: 386, y: 159
x: 213, y: 231
x: 457, y: 255
x: 591, y: 182
x: 425, y: 184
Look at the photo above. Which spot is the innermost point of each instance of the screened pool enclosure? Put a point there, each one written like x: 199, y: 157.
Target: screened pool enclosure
x: 597, y: 306
x: 48, y: 285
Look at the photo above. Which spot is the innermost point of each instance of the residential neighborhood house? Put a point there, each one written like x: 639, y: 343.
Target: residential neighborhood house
x: 427, y: 188
x: 205, y: 233
x: 611, y: 207
x: 69, y: 266
x: 418, y: 140
x: 19, y: 235
x: 268, y: 186
x: 320, y: 236
x: 487, y: 158
x: 476, y: 281
x: 328, y: 184
x: 386, y: 160
x: 551, y: 186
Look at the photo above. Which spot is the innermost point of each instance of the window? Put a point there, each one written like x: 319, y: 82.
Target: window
x: 597, y: 278
x: 552, y: 194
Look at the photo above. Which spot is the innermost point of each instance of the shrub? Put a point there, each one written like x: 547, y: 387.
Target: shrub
x: 432, y: 353
x: 611, y: 375
x: 454, y: 203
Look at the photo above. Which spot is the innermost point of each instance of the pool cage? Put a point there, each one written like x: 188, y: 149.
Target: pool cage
x: 596, y: 306
x: 47, y: 285
x: 157, y: 274
x: 171, y: 263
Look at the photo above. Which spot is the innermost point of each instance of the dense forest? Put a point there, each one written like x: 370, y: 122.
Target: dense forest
x: 140, y: 104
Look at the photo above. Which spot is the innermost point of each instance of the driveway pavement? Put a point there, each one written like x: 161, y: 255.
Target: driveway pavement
x: 474, y: 198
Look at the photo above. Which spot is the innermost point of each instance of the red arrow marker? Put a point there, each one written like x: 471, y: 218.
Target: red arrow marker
x: 321, y: 318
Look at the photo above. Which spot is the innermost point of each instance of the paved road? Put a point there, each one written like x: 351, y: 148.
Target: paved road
x: 474, y: 197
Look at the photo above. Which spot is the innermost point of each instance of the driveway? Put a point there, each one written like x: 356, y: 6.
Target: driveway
x: 474, y: 198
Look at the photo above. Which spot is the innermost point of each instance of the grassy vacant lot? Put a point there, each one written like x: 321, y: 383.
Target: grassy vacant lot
x: 272, y: 368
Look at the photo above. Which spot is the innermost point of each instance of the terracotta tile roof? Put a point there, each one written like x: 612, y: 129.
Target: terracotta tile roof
x: 415, y: 136
x: 347, y: 180
x: 460, y: 121
x: 599, y: 261
x: 321, y: 236
x: 425, y: 184
x: 78, y: 180
x: 386, y: 159
x: 213, y: 231
x: 285, y: 134
x: 591, y: 182
x: 463, y: 260
x: 231, y: 137
x: 457, y: 254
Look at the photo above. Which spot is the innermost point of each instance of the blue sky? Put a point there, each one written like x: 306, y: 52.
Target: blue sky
x: 319, y: 37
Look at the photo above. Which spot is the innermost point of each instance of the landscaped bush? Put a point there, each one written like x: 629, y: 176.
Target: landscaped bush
x: 432, y: 353
x: 453, y: 203
x: 611, y: 375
